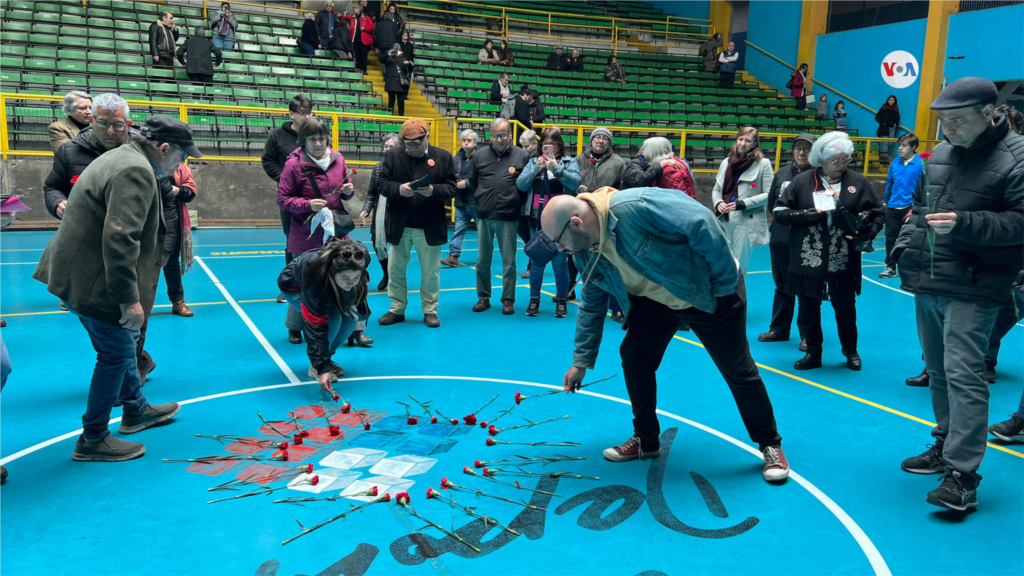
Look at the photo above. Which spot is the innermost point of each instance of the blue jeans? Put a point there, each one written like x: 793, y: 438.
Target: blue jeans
x: 116, y: 376
x: 5, y: 364
x: 223, y: 44
x: 449, y: 17
x: 339, y: 326
x: 558, y: 265
x: 462, y: 219
x: 307, y: 48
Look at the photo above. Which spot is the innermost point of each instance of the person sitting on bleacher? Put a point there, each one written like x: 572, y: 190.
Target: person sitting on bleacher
x: 613, y: 71
x: 508, y: 58
x: 202, y: 55
x: 223, y: 23
x: 487, y: 54
x: 341, y: 44
x: 309, y: 39
x: 557, y: 61
x: 78, y: 107
x: 575, y: 62
x: 163, y: 35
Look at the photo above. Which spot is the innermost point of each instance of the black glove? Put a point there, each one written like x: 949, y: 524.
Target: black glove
x: 741, y: 205
x: 1018, y: 284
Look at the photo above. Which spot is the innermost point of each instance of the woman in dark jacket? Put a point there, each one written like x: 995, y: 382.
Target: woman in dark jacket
x: 408, y: 50
x: 341, y: 44
x: 309, y: 41
x: 327, y: 285
x: 505, y: 55
x: 834, y: 215
x: 397, y: 77
x: 375, y: 207
x: 888, y: 118
x: 385, y: 34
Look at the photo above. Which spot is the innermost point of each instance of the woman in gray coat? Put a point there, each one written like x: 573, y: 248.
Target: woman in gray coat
x: 741, y: 190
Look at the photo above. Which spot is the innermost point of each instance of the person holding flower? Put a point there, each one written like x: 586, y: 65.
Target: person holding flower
x: 741, y: 190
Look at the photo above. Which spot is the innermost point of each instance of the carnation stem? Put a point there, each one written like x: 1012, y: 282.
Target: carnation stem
x: 426, y: 407
x: 431, y: 524
x: 488, y: 404
x: 487, y: 521
x: 328, y: 521
x: 271, y: 426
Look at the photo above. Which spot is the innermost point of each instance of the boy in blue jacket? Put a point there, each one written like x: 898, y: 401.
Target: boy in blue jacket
x: 903, y: 175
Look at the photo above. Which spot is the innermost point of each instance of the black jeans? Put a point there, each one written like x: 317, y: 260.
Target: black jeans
x: 360, y: 53
x: 172, y: 274
x: 845, y: 307
x: 801, y: 102
x: 784, y: 302
x: 726, y: 79
x: 893, y: 224
x: 205, y: 78
x: 400, y: 97
x: 286, y: 225
x: 650, y: 328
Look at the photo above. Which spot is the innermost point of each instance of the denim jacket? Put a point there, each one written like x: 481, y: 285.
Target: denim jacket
x: 668, y: 238
x: 566, y: 172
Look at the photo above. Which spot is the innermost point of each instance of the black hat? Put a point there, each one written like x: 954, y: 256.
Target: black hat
x: 172, y: 131
x: 806, y: 137
x: 965, y: 92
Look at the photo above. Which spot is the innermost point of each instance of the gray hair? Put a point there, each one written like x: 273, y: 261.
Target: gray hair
x: 467, y: 132
x: 395, y: 137
x: 528, y: 136
x: 829, y: 145
x: 657, y: 149
x: 498, y: 122
x: 72, y: 98
x: 310, y: 15
x: 111, y: 102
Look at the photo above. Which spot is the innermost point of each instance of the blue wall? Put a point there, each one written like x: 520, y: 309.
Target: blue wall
x: 700, y: 9
x: 990, y: 41
x: 851, y: 62
x: 774, y: 26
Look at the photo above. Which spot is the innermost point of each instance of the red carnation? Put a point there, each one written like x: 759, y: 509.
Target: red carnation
x: 430, y: 493
x: 592, y: 161
x: 753, y: 184
x: 467, y: 470
x: 483, y: 424
x: 334, y: 429
x: 492, y: 430
x: 74, y: 179
x: 478, y: 464
x: 283, y: 445
x: 309, y: 468
x: 297, y: 439
x: 446, y: 483
x: 345, y: 408
x: 335, y: 397
x: 314, y: 480
x: 354, y: 171
x: 282, y: 455
x: 519, y: 397
x: 923, y: 155
x: 470, y: 419
x: 433, y: 420
x: 486, y: 472
x: 374, y: 490
x: 387, y: 497
x: 403, y: 498
x: 490, y: 442
x: 412, y: 420
x: 366, y: 426
x: 455, y: 422
x: 304, y: 434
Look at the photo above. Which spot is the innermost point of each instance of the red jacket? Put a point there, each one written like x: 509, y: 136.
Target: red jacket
x: 366, y: 25
x: 798, y: 85
x: 675, y: 179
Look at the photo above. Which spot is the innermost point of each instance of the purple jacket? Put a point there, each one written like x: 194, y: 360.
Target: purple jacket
x: 294, y: 193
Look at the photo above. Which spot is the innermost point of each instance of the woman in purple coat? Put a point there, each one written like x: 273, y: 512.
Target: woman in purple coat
x: 313, y: 161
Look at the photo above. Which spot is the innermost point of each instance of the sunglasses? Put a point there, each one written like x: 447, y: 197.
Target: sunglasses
x: 357, y: 255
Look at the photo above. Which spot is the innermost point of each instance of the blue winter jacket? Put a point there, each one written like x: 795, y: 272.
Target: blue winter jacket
x: 668, y: 238
x: 901, y: 182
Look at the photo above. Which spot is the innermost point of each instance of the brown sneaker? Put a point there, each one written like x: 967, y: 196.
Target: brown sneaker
x: 391, y: 318
x: 431, y: 320
x: 776, y: 468
x: 508, y: 307
x: 629, y: 450
x: 181, y: 309
x: 451, y: 261
x: 482, y: 305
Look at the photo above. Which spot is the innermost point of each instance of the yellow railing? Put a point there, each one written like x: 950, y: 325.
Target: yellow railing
x: 822, y: 84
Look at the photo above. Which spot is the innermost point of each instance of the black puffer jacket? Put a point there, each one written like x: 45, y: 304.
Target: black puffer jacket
x: 280, y: 145
x: 317, y: 304
x: 342, y: 41
x: 385, y: 34
x: 639, y: 174
x: 984, y: 185
x: 463, y: 196
x: 493, y: 180
x: 69, y: 162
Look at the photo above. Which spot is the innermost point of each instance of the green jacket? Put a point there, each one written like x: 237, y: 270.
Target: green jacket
x: 108, y: 248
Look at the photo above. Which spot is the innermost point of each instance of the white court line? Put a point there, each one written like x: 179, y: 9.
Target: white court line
x: 870, y: 551
x: 252, y: 327
x: 16, y: 263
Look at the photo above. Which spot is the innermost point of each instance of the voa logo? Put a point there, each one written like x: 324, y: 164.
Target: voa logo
x: 899, y: 69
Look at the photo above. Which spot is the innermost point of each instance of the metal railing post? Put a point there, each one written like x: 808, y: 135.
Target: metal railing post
x: 549, y: 24
x: 3, y: 127
x: 778, y: 152
x: 334, y: 132
x: 682, y: 144
x: 204, y: 10
x: 579, y: 140
x: 615, y: 38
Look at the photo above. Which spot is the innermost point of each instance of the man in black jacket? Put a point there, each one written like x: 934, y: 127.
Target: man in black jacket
x: 282, y: 141
x: 959, y: 253
x: 163, y: 36
x: 202, y: 55
x: 418, y: 181
x: 522, y: 108
x: 492, y: 176
x: 557, y: 61
x: 784, y: 303
x: 109, y: 128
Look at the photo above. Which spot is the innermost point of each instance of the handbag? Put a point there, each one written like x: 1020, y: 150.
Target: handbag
x: 540, y: 249
x: 343, y: 223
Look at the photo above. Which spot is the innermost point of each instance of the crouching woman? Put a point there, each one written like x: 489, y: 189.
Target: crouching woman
x: 328, y: 286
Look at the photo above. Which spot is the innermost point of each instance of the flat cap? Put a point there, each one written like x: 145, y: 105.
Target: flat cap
x: 172, y: 131
x: 965, y: 92
x: 414, y: 128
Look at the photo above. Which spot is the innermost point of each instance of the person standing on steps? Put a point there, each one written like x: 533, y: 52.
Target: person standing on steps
x: 784, y: 302
x: 833, y: 215
x: 628, y: 243
x: 361, y: 27
x: 727, y: 66
x: 492, y: 176
x: 281, y: 142
x: 797, y: 83
x: 465, y: 203
x: 397, y: 78
x: 959, y: 254
x: 375, y: 208
x: 418, y: 182
x: 900, y: 182
x: 104, y: 263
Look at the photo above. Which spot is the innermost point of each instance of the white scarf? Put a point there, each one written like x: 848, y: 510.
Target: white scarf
x: 324, y: 162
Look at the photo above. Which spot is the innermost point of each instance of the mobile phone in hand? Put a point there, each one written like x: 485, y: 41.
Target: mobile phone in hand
x: 549, y: 149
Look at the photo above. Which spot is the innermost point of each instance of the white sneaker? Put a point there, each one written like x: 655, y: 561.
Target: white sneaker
x: 315, y: 376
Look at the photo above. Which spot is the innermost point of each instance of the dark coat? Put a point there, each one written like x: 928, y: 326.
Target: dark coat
x: 343, y: 42
x: 373, y: 190
x: 557, y: 62
x: 201, y: 54
x: 385, y: 34
x: 507, y: 57
x: 463, y: 196
x: 280, y: 145
x: 310, y: 35
x: 400, y: 168
x: 537, y: 111
x: 598, y: 173
x: 574, y: 64
x: 780, y: 232
x: 886, y: 119
x: 158, y: 41
x: 71, y: 159
x: 639, y: 174
x: 496, y: 92
x: 408, y: 50
x: 324, y: 20
x: 399, y: 69
x: 493, y: 180
x: 982, y: 255
x: 522, y: 113
x: 108, y: 248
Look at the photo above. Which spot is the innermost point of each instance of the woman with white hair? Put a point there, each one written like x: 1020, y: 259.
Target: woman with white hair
x: 675, y: 175
x: 834, y: 215
x: 740, y: 193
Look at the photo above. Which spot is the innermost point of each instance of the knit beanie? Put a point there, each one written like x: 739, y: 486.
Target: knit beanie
x: 601, y: 131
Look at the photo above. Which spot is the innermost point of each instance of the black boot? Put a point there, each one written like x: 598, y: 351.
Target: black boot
x: 560, y: 309
x: 853, y: 361
x: 922, y: 380
x: 295, y: 336
x: 534, y: 308
x: 811, y: 360
x: 618, y: 317
x: 359, y: 338
x: 383, y: 285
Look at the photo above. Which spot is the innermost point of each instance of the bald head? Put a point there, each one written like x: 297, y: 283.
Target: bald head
x: 572, y: 223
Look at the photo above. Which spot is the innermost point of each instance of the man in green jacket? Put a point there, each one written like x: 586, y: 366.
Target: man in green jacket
x: 104, y: 264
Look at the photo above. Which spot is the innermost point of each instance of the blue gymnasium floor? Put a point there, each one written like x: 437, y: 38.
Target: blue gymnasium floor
x: 847, y: 509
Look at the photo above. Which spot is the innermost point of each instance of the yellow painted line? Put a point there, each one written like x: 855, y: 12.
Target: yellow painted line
x: 844, y: 394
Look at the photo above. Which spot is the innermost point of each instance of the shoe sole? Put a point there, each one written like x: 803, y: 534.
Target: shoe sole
x: 923, y: 470
x: 96, y: 458
x: 611, y: 456
x: 1005, y: 438
x: 402, y: 319
x: 941, y: 504
x: 776, y: 475
x: 140, y: 427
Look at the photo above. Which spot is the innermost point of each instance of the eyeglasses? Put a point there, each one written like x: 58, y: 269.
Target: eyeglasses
x: 184, y: 155
x: 499, y: 136
x: 358, y: 255
x: 839, y: 161
x: 558, y: 239
x: 106, y: 124
x: 303, y: 113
